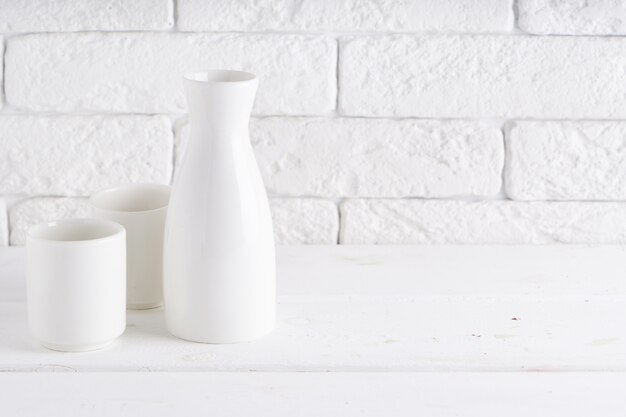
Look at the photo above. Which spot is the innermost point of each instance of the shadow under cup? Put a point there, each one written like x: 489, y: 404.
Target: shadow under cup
x: 141, y: 209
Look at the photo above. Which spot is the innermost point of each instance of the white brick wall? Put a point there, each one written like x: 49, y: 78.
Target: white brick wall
x: 483, y: 76
x: 305, y: 221
x: 566, y: 161
x: 484, y: 222
x: 75, y: 155
x: 346, y: 15
x: 72, y: 15
x: 141, y: 72
x: 376, y: 121
x: 588, y: 17
x: 296, y: 221
x: 375, y: 158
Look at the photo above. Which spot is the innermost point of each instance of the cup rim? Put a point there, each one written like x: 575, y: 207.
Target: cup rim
x: 220, y: 77
x: 116, y: 230
x: 99, y: 194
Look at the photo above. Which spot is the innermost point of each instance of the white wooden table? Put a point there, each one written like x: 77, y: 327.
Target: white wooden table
x: 379, y: 331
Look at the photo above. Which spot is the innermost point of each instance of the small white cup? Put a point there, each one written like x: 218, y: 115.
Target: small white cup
x: 76, y: 291
x: 141, y: 209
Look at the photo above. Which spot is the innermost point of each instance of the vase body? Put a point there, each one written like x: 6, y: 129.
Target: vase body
x: 219, y: 265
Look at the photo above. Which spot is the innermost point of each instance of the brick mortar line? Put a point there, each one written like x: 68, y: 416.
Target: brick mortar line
x: 331, y: 34
x: 495, y: 121
x: 505, y: 162
x: 174, y: 9
x: 4, y: 102
x: 338, y: 200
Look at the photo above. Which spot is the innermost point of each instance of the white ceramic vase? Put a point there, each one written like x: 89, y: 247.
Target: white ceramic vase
x: 219, y: 266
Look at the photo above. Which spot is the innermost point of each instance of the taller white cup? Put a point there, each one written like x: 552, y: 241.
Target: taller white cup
x: 75, y: 279
x: 141, y: 209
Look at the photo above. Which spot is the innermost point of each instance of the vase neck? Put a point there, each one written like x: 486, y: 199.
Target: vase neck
x: 220, y: 107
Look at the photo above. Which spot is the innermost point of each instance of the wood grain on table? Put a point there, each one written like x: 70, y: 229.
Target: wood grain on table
x: 358, y: 328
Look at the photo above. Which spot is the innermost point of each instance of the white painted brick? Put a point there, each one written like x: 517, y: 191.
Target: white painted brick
x: 346, y: 15
x: 483, y: 76
x: 566, y: 161
x: 73, y: 15
x: 485, y: 222
x: 567, y: 17
x: 296, y: 221
x: 135, y: 72
x: 76, y: 155
x: 378, y: 158
x: 304, y: 221
x: 4, y: 224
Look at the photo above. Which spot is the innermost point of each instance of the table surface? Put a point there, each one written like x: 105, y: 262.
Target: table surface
x: 376, y: 329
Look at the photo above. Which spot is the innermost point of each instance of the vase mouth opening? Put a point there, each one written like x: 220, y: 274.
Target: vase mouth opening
x: 220, y: 76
